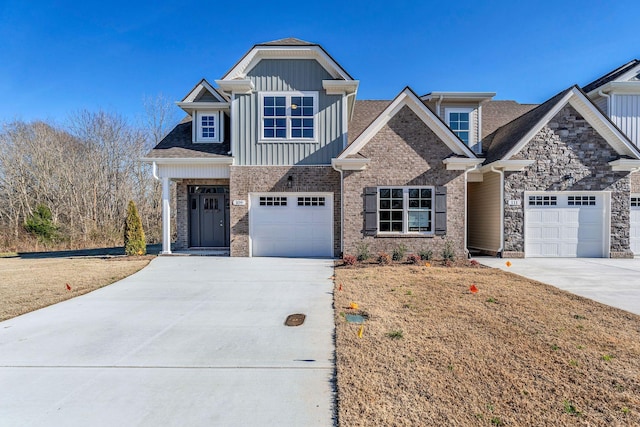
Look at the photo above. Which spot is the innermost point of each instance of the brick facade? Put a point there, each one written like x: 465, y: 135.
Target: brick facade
x: 569, y: 156
x: 261, y: 179
x: 182, y: 208
x: 404, y: 152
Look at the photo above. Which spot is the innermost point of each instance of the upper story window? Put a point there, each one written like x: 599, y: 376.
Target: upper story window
x: 208, y: 126
x: 459, y: 120
x: 288, y: 116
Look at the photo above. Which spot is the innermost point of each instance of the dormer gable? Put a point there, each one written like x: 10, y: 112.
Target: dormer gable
x: 207, y: 107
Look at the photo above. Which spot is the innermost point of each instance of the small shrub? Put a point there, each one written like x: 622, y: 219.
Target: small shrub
x: 607, y: 357
x: 349, y: 260
x: 399, y: 252
x: 134, y: 241
x: 448, y: 253
x: 384, y: 258
x: 474, y: 263
x: 414, y: 259
x: 570, y: 408
x: 425, y: 254
x: 362, y: 252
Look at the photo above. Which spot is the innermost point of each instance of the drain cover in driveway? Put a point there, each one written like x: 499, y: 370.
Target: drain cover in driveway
x: 295, y: 319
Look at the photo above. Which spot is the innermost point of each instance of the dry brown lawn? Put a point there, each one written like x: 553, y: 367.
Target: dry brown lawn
x: 29, y: 284
x: 516, y: 353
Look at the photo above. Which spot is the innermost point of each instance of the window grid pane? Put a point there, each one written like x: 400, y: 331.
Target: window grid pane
x: 582, y: 201
x: 311, y: 201
x: 273, y: 201
x: 274, y: 122
x: 543, y: 200
x: 390, y: 210
x: 459, y: 124
x: 208, y: 126
x: 419, y: 209
x: 635, y: 202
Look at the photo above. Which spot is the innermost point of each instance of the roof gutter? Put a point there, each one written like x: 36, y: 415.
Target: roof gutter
x: 605, y: 95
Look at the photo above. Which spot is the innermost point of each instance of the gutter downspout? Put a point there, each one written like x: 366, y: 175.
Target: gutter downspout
x: 501, y: 172
x: 604, y: 95
x: 466, y: 206
x: 438, y: 105
x: 341, y: 207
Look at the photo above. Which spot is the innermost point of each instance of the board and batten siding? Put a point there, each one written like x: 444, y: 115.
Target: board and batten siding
x: 274, y: 75
x: 483, y: 213
x: 602, y: 104
x: 626, y: 115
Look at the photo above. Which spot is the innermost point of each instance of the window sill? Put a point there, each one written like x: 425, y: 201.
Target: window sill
x: 405, y: 235
x: 287, y: 141
x: 208, y: 142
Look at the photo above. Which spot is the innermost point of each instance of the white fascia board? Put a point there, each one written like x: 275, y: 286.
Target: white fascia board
x: 190, y: 161
x: 621, y: 88
x: 190, y: 107
x: 461, y: 163
x: 350, y: 164
x: 459, y: 96
x: 409, y: 99
x: 621, y: 79
x: 241, y: 86
x: 285, y: 52
x: 203, y: 85
x: 340, y: 87
x: 507, y: 165
x: 627, y: 165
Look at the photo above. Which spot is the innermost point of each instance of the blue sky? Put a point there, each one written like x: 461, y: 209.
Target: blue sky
x: 57, y: 57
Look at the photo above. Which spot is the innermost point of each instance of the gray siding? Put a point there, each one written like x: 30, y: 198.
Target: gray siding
x: 288, y: 75
x: 626, y: 114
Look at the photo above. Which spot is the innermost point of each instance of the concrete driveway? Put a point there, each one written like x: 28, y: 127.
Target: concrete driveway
x: 615, y: 282
x: 187, y: 341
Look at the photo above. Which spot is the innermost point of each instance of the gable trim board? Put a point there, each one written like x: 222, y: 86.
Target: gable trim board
x: 408, y: 98
x: 199, y: 88
x: 583, y: 105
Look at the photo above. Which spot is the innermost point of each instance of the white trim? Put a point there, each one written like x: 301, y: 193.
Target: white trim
x: 408, y: 98
x: 616, y: 139
x: 405, y: 211
x: 469, y: 110
x: 507, y: 165
x: 340, y: 87
x: 204, y: 84
x: 190, y: 107
x: 624, y: 78
x: 632, y: 87
x: 218, y: 125
x: 461, y: 163
x: 350, y: 164
x: 625, y: 165
x: 240, y: 86
x: 288, y: 117
x: 257, y: 53
x: 459, y: 96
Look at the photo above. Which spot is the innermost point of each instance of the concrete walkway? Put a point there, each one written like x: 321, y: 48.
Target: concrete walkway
x: 615, y: 282
x: 187, y: 341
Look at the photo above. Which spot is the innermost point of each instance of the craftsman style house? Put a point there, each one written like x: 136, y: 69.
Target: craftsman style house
x: 278, y: 158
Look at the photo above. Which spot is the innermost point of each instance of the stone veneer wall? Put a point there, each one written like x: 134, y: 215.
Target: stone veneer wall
x: 567, y: 147
x: 182, y: 208
x: 262, y: 179
x: 404, y: 152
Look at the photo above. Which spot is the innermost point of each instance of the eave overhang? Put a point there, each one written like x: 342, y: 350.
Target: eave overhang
x: 478, y: 97
x: 461, y: 163
x: 241, y: 86
x: 618, y: 88
x: 626, y: 165
x: 350, y: 164
x: 340, y: 87
x: 190, y: 107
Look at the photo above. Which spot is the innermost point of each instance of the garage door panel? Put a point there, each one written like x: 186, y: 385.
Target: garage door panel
x: 565, y: 230
x: 634, y: 219
x: 292, y: 230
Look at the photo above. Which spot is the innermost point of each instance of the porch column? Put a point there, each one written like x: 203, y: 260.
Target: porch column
x: 166, y: 217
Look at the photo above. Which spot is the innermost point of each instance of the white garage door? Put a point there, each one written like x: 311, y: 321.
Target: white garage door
x: 565, y: 224
x: 291, y: 224
x: 634, y: 234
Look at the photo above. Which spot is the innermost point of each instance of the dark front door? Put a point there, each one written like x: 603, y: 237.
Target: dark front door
x: 208, y: 219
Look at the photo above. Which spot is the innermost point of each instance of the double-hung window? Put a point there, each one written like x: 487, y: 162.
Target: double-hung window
x: 405, y: 210
x: 288, y: 116
x: 459, y: 120
x: 208, y: 127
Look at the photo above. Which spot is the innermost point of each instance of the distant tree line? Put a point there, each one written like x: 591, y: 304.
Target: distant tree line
x: 79, y: 178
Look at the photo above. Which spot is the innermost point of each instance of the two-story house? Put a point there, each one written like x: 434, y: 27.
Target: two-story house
x: 280, y: 159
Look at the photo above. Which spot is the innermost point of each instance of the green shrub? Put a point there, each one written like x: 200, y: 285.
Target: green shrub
x: 448, y: 253
x: 40, y: 223
x: 362, y: 251
x: 134, y: 241
x: 425, y: 254
x: 399, y: 252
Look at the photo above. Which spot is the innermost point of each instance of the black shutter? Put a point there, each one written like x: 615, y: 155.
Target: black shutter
x: 441, y: 211
x: 370, y: 211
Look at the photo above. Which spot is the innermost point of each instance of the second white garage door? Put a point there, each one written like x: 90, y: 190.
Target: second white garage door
x: 291, y: 224
x: 565, y: 224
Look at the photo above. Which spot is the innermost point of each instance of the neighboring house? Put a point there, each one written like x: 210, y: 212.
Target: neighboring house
x: 279, y: 159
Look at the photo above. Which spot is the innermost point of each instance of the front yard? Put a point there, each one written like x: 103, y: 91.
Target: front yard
x: 516, y: 352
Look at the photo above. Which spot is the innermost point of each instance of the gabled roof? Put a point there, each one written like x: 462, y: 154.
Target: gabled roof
x: 408, y: 98
x: 202, y: 88
x: 496, y: 114
x: 290, y: 48
x: 177, y: 145
x: 618, y: 73
x: 364, y: 113
x: 512, y: 137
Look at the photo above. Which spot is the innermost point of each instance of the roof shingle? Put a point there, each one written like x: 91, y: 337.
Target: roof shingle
x: 177, y: 144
